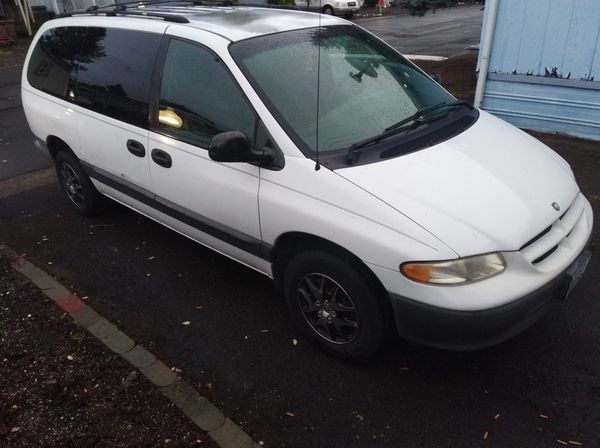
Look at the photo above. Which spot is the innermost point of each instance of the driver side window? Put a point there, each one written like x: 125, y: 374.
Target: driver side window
x: 198, y: 98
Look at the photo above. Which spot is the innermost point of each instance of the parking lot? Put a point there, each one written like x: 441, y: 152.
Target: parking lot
x: 540, y: 389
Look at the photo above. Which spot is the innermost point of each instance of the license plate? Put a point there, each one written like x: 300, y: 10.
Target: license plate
x: 351, y: 3
x: 575, y: 272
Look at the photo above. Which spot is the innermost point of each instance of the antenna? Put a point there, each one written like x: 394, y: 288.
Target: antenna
x: 318, y: 164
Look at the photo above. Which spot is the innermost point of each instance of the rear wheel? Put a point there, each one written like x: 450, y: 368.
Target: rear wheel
x: 77, y: 185
x: 334, y: 304
x: 328, y: 10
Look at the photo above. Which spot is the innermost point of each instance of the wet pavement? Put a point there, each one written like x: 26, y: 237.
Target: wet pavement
x: 448, y: 32
x: 239, y: 349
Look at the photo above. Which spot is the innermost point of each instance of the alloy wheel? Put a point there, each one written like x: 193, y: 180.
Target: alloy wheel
x: 328, y: 309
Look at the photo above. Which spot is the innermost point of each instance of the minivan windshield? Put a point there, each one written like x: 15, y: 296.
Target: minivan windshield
x: 365, y: 88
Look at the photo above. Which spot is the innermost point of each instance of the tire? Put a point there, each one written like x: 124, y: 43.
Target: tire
x: 328, y: 10
x: 77, y: 185
x: 352, y: 326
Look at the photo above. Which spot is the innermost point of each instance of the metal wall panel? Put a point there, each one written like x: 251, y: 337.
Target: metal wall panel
x: 544, y: 69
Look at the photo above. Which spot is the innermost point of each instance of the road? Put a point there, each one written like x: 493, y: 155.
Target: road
x: 448, y: 32
x: 18, y: 155
x: 239, y: 349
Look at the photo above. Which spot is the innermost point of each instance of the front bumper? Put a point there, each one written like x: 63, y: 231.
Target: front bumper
x: 472, y: 330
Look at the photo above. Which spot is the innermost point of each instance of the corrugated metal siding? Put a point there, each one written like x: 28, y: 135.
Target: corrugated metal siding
x: 545, y: 66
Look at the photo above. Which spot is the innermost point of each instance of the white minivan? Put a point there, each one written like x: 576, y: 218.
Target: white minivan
x: 314, y: 153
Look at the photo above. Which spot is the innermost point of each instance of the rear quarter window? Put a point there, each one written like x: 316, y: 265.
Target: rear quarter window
x: 52, y: 66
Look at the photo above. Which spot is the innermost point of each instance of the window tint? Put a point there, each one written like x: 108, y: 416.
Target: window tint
x: 198, y: 98
x: 53, y: 61
x: 115, y: 72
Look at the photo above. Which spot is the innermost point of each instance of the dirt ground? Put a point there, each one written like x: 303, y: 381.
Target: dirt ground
x: 60, y: 387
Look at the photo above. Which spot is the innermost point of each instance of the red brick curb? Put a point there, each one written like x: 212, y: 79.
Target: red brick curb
x: 71, y: 304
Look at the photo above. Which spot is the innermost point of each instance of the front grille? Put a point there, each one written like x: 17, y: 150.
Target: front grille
x: 541, y: 250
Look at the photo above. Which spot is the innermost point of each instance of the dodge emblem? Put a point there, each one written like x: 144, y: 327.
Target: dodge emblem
x: 555, y: 206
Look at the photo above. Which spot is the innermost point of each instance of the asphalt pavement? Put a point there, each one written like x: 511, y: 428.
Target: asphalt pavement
x: 18, y: 155
x: 446, y: 32
x: 242, y: 351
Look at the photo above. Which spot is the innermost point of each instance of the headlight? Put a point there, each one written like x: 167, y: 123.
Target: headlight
x: 453, y: 272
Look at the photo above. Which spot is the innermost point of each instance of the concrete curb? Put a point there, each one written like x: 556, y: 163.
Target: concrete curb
x: 197, y: 408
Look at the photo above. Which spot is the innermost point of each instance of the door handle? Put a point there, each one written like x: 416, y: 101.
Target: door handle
x: 136, y: 148
x: 162, y: 158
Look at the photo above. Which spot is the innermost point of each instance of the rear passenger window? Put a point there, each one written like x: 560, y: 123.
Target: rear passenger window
x: 52, y: 66
x: 115, y: 72
x: 198, y: 98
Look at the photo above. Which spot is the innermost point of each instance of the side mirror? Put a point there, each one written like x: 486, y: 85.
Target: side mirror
x: 233, y: 146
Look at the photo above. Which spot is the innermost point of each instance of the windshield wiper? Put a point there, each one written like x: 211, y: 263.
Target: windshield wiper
x: 417, y: 119
x: 426, y: 110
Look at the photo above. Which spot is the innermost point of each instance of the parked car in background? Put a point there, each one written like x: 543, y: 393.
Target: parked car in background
x: 344, y: 8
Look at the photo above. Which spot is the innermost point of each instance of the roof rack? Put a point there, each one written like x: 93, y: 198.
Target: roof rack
x: 123, y: 9
x: 165, y: 17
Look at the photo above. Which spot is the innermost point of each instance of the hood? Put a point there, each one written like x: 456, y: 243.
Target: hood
x: 489, y: 189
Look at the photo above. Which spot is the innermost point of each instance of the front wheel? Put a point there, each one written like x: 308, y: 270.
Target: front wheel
x: 328, y: 10
x: 335, y: 305
x: 77, y: 185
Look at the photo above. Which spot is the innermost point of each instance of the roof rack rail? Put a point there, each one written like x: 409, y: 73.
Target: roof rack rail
x: 126, y: 12
x: 140, y: 4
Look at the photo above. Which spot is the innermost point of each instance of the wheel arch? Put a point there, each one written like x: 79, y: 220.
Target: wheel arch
x: 291, y: 244
x: 56, y: 144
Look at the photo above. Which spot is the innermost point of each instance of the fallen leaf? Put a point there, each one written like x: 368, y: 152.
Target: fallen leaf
x: 544, y: 416
x: 485, y: 435
x: 295, y: 341
x: 264, y: 331
x: 15, y: 429
x: 70, y: 358
x: 290, y: 414
x: 497, y: 416
x: 151, y: 258
x: 359, y: 417
x: 572, y: 442
x: 185, y: 322
x: 562, y: 442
